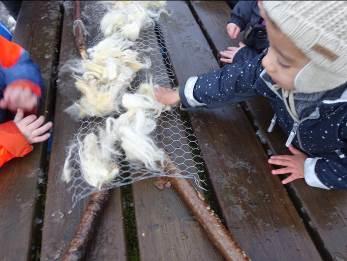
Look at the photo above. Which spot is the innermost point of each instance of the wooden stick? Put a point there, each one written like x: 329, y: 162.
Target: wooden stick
x: 79, y: 244
x: 79, y: 31
x: 215, y: 230
x: 219, y: 236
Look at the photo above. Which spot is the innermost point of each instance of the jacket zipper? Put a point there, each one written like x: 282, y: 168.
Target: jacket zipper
x: 292, y: 134
x: 313, y: 115
x: 295, y: 129
x: 272, y: 123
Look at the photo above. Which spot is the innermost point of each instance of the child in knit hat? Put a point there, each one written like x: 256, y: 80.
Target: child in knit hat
x: 303, y: 74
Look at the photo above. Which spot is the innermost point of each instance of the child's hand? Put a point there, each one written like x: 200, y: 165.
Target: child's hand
x: 293, y: 165
x: 32, y: 128
x: 167, y: 96
x: 227, y: 56
x: 233, y: 30
x: 18, y: 98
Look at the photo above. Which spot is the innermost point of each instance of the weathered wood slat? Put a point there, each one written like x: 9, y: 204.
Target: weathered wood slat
x: 60, y: 223
x: 166, y: 229
x: 326, y: 216
x: 39, y: 35
x: 255, y: 205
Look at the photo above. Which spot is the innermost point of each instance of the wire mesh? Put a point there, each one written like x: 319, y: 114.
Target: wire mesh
x: 173, y: 134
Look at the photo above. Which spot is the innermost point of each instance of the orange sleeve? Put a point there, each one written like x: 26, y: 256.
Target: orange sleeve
x: 12, y: 142
x: 10, y: 52
x: 4, y: 156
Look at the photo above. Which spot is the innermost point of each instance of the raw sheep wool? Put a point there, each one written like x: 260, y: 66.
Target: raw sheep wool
x: 98, y: 166
x: 118, y: 112
x: 134, y: 128
x: 107, y: 75
x: 127, y: 18
x: 144, y: 99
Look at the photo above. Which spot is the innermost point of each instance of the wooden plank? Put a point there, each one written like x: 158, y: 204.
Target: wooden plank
x: 18, y: 179
x: 166, y: 229
x: 326, y: 217
x: 255, y: 204
x: 60, y: 221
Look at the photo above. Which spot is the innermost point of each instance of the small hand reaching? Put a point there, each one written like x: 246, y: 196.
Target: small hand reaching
x: 18, y: 98
x: 233, y: 30
x: 32, y: 128
x: 227, y: 56
x: 293, y: 165
x: 167, y: 96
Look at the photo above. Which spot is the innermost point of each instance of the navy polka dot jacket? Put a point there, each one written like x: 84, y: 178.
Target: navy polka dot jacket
x: 321, y: 131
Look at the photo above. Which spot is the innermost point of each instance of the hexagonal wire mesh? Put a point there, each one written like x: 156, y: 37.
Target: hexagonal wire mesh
x: 173, y: 134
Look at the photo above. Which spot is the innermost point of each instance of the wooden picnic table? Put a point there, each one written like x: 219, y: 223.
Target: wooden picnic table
x: 270, y: 221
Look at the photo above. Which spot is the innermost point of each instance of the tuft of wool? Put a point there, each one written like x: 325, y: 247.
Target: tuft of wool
x: 133, y: 129
x: 67, y: 169
x: 98, y: 167
x: 128, y: 18
x: 144, y: 99
x: 106, y: 76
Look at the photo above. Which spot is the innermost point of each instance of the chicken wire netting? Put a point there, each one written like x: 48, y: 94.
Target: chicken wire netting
x: 172, y: 134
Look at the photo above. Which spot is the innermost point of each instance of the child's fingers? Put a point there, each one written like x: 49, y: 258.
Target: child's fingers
x: 241, y: 44
x: 12, y: 99
x: 227, y: 54
x: 237, y: 31
x: 281, y: 162
x: 37, y: 123
x: 40, y: 138
x: 28, y: 102
x: 3, y: 104
x: 282, y: 157
x: 43, y: 129
x: 226, y: 60
x: 282, y: 171
x: 231, y: 32
x: 29, y: 119
x: 289, y: 179
x: 19, y: 115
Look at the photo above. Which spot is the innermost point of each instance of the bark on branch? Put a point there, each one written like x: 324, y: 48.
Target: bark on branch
x: 79, y: 30
x: 215, y: 230
x: 79, y: 244
x: 219, y: 236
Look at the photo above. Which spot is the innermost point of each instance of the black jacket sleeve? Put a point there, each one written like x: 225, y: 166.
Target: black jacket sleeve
x: 242, y: 13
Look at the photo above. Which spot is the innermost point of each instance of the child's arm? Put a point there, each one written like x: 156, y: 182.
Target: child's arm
x: 232, y: 83
x: 240, y: 17
x: 327, y: 172
x: 21, y: 77
x: 17, y: 136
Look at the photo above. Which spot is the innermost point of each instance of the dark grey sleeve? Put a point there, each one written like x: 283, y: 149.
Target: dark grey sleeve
x: 242, y: 13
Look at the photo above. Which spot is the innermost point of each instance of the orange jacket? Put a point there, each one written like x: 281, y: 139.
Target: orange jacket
x: 16, y: 70
x: 12, y: 142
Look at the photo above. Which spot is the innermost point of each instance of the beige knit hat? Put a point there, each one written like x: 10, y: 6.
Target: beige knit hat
x: 318, y: 29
